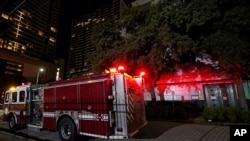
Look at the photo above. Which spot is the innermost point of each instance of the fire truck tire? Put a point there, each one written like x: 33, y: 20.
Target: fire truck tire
x: 67, y: 129
x: 12, y: 122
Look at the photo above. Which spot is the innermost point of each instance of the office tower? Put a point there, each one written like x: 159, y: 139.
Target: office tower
x: 28, y: 37
x: 144, y: 3
x: 80, y: 42
x: 32, y: 27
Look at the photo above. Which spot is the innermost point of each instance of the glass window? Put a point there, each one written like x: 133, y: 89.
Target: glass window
x: 21, y: 96
x: 14, y: 97
x: 36, y: 96
x: 6, y: 99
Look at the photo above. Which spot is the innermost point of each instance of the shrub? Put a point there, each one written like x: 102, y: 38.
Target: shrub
x: 210, y: 113
x: 230, y: 114
x: 150, y: 112
x: 220, y: 114
x: 167, y: 112
x: 243, y: 117
x: 180, y: 113
x: 227, y: 114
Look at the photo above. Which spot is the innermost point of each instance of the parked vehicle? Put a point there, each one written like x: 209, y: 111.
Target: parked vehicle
x: 109, y: 105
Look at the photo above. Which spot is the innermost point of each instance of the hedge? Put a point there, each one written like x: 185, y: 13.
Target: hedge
x: 227, y: 114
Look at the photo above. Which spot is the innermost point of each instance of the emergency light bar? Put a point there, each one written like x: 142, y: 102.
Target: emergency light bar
x: 142, y: 74
x: 121, y: 69
x: 12, y: 88
x: 112, y: 70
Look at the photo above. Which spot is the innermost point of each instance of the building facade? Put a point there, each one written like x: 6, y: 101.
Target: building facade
x: 144, y: 2
x: 28, y: 38
x: 80, y: 42
x: 203, y: 85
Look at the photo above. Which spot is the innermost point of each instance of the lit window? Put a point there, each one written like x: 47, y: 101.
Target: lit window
x: 3, y: 15
x: 6, y: 97
x: 52, y: 39
x: 40, y: 33
x: 53, y: 29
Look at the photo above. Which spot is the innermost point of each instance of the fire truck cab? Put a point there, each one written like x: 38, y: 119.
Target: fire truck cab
x: 107, y: 106
x: 23, y: 105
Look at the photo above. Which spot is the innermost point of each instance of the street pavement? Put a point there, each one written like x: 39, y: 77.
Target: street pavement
x: 167, y: 131
x: 5, y: 136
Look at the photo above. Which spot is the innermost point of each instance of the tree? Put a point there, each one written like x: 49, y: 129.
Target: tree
x: 162, y: 35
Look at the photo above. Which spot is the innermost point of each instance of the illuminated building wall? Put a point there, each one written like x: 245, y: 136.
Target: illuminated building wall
x: 28, y: 33
x: 30, y: 27
x: 80, y: 42
x: 144, y: 2
x: 192, y: 83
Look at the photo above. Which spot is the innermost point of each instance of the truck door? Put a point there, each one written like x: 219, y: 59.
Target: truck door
x: 21, y: 106
x: 6, y: 104
x: 9, y: 106
x: 96, y: 107
x: 10, y: 101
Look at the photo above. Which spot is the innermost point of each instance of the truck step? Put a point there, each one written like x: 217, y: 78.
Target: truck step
x: 34, y: 127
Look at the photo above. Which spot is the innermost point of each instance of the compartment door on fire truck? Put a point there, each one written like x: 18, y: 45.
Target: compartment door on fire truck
x: 96, y: 107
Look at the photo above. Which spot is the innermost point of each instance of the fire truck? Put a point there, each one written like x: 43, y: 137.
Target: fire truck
x: 110, y: 106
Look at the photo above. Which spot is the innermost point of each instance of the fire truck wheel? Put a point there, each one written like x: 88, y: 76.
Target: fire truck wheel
x: 12, y: 123
x: 67, y: 129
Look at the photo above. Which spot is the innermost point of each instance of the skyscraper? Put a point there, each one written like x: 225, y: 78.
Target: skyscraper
x: 30, y: 27
x: 80, y: 42
x: 28, y: 37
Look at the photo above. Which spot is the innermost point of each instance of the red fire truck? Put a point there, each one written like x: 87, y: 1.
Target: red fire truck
x: 109, y: 105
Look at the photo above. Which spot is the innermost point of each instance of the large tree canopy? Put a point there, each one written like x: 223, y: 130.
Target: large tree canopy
x: 162, y: 35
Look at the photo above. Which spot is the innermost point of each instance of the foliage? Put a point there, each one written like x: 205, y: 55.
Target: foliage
x: 162, y: 35
x: 210, y: 114
x: 166, y: 112
x: 227, y: 114
x: 221, y: 112
x: 230, y: 114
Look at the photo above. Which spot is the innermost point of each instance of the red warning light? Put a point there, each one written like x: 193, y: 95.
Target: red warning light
x: 142, y: 74
x: 112, y: 70
x: 121, y: 69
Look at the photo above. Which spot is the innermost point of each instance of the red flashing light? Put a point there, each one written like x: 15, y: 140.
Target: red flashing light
x: 112, y: 70
x: 121, y: 69
x: 142, y: 74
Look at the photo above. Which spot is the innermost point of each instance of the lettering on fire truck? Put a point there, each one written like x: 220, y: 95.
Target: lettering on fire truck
x: 109, y: 105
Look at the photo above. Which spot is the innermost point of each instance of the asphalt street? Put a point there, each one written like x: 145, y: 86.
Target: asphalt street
x: 5, y: 136
x: 153, y: 131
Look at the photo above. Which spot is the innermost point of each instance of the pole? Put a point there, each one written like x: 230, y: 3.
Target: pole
x: 37, y: 77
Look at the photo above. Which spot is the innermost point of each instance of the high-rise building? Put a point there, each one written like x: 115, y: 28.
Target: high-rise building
x: 31, y: 27
x: 80, y: 42
x: 28, y: 37
x: 144, y: 3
